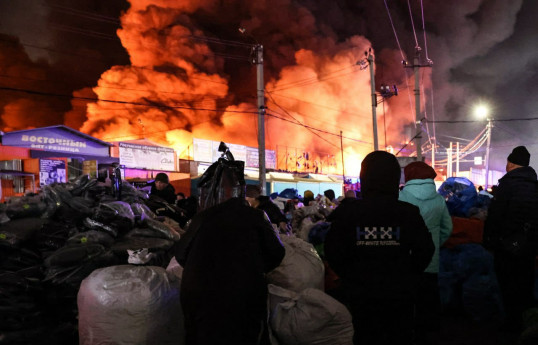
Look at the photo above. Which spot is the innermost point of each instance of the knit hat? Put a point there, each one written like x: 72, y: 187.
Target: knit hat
x: 162, y: 177
x: 380, y: 175
x: 520, y: 156
x: 418, y: 171
x: 329, y: 193
x: 308, y: 194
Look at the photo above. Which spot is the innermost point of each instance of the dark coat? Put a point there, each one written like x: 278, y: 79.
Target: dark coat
x: 273, y: 212
x: 168, y: 193
x: 515, y: 203
x: 225, y: 252
x: 375, y: 264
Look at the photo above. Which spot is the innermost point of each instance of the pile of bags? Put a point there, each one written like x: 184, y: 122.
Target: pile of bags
x: 467, y: 281
x: 301, y: 312
x: 50, y: 242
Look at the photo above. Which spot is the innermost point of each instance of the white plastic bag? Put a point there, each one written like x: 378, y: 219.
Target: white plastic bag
x: 308, y: 318
x: 130, y: 305
x: 301, y: 267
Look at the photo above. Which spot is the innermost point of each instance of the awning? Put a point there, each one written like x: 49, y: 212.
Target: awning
x: 49, y: 154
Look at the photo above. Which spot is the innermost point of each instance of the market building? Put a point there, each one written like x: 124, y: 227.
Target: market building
x: 35, y: 157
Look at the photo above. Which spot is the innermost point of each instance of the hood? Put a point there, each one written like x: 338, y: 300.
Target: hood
x: 380, y: 175
x: 422, y: 189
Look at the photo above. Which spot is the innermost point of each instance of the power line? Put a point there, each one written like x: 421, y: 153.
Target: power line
x: 92, y: 59
x: 424, y: 30
x: 83, y: 14
x: 321, y: 106
x: 220, y: 41
x: 298, y: 122
x: 315, y: 80
x: 91, y: 99
x: 206, y: 97
x: 402, y: 54
x: 412, y: 23
x: 475, y: 121
x: 320, y: 130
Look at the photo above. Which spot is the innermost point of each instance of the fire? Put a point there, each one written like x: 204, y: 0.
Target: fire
x: 175, y: 90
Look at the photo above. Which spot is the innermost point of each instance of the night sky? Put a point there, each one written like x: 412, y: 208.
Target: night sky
x: 54, y: 53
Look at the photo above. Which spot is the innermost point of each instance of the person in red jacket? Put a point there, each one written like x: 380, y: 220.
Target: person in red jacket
x: 379, y: 246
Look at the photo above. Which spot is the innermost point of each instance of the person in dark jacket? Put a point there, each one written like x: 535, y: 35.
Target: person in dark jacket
x: 512, y: 215
x: 225, y: 253
x: 329, y: 194
x: 162, y: 188
x: 379, y: 246
x: 264, y: 203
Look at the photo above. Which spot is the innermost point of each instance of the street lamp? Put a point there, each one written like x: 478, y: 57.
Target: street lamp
x: 482, y: 111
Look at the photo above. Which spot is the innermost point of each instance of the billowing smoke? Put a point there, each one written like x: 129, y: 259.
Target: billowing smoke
x: 184, y: 70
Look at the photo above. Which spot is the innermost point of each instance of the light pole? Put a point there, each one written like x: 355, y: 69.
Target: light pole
x: 482, y: 111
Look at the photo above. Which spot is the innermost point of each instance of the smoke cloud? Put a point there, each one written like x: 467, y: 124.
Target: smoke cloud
x: 171, y: 71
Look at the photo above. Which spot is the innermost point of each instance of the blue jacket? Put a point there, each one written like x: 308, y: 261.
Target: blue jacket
x: 433, y: 209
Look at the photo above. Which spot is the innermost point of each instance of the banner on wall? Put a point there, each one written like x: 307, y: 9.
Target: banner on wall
x: 51, y: 171
x: 207, y: 151
x: 89, y: 167
x: 146, y: 157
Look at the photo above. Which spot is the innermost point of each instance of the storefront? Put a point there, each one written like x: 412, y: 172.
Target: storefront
x: 49, y: 154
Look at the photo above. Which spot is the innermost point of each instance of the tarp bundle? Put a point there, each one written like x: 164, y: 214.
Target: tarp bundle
x: 460, y: 195
x: 467, y: 279
x: 130, y: 305
x: 223, y: 180
x: 301, y: 267
x: 310, y: 317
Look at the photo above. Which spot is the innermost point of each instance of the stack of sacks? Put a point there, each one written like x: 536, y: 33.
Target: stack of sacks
x: 130, y: 305
x: 301, y: 267
x: 300, y: 312
x: 310, y: 317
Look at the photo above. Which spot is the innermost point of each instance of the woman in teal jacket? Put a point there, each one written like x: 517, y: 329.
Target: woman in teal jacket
x: 420, y: 191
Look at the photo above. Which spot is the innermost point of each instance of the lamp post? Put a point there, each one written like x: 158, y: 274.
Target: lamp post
x: 482, y: 111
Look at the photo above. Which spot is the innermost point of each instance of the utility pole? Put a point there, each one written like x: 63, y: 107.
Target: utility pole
x: 418, y: 117
x: 261, y: 116
x: 457, y: 158
x: 487, y: 153
x: 374, y: 98
x: 449, y: 162
x: 433, y: 153
x: 342, y: 150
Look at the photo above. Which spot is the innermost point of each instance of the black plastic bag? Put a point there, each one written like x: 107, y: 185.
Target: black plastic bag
x: 142, y: 211
x: 74, y: 254
x: 117, y: 214
x: 166, y: 230
x: 24, y: 207
x: 145, y: 232
x: 17, y: 231
x: 91, y: 224
x: 91, y: 236
x: 223, y: 180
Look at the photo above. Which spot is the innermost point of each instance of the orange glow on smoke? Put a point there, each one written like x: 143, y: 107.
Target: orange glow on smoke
x: 180, y: 79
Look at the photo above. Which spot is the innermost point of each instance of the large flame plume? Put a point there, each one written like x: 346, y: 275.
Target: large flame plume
x: 178, y: 87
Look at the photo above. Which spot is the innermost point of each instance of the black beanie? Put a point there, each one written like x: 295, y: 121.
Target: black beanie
x: 162, y: 177
x: 380, y: 175
x: 520, y: 156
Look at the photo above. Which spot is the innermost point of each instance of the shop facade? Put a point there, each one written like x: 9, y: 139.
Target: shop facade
x: 46, y: 155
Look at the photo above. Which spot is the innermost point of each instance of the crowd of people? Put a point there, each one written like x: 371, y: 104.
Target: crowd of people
x: 383, y: 243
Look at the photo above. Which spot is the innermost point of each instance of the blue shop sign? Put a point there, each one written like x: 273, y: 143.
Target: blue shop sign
x: 57, y: 139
